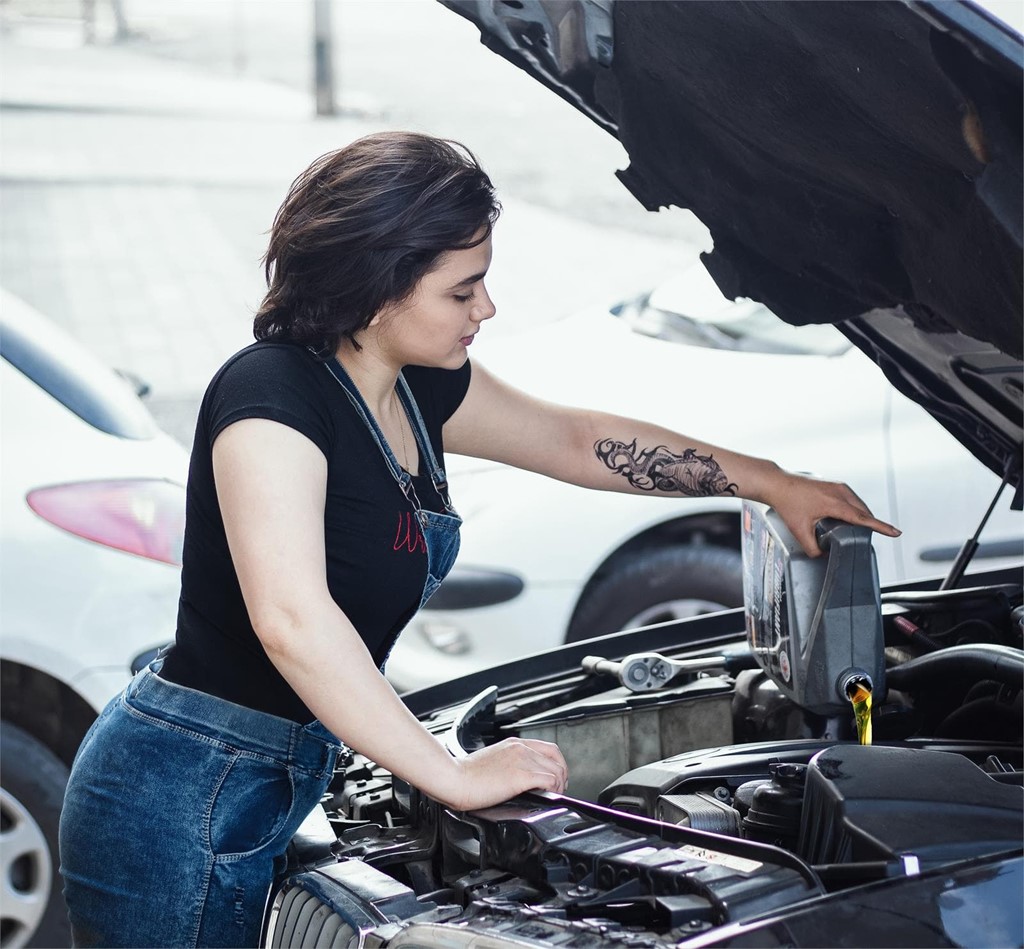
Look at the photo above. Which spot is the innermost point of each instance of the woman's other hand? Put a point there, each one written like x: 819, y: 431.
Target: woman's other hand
x: 801, y: 501
x: 499, y: 772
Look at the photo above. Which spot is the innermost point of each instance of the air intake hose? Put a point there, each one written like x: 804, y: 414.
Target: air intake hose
x: 975, y: 662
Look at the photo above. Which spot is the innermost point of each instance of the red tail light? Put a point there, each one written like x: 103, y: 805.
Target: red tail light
x: 144, y: 517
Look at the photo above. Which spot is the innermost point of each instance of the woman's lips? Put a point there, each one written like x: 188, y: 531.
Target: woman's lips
x: 467, y: 340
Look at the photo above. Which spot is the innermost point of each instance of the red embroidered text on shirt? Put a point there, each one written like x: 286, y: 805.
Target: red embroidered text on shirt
x: 408, y: 537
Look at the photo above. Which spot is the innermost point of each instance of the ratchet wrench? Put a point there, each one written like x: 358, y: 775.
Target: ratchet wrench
x: 644, y: 671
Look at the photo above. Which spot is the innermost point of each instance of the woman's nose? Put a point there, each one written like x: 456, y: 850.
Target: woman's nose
x: 485, y: 308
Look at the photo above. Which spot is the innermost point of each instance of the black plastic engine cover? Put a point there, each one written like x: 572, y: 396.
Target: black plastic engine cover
x: 866, y: 803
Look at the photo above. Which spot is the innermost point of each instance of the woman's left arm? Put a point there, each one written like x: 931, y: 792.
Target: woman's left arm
x: 613, y: 453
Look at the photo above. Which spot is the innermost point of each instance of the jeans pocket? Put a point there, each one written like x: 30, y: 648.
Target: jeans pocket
x: 251, y: 806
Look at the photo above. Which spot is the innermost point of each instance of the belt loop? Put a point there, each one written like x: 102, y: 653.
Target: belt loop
x: 135, y: 681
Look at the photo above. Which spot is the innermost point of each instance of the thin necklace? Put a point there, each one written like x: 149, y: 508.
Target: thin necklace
x: 401, y: 430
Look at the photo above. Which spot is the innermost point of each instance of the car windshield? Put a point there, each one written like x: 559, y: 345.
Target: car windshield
x: 691, y: 310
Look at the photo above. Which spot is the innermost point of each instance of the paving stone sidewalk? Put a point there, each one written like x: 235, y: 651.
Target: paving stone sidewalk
x: 135, y: 194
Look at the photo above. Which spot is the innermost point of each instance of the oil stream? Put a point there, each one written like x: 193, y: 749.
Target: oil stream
x: 859, y: 693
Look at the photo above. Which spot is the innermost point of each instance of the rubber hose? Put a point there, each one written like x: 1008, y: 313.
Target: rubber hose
x: 969, y: 662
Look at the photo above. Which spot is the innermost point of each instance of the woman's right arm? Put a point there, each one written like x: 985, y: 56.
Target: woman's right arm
x: 271, y: 486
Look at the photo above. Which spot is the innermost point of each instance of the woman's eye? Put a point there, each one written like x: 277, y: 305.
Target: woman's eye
x: 463, y: 298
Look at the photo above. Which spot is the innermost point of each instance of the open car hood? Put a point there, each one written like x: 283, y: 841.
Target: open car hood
x: 857, y: 163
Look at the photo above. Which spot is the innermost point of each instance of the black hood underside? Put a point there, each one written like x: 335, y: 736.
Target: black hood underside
x: 857, y: 163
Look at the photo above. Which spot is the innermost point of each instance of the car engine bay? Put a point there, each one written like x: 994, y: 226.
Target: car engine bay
x: 704, y: 791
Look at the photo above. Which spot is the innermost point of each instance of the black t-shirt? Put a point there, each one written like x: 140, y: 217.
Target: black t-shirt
x: 375, y: 566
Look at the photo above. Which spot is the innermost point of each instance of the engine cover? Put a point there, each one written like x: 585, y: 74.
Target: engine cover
x: 860, y: 803
x: 866, y: 803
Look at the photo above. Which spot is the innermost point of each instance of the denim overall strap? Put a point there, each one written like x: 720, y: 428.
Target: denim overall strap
x: 440, y: 531
x: 400, y: 475
x: 419, y: 427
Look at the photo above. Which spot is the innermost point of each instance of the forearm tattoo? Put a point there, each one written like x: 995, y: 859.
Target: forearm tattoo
x: 658, y: 469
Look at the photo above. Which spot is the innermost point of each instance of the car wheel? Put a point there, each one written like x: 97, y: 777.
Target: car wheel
x: 659, y: 585
x: 33, y: 783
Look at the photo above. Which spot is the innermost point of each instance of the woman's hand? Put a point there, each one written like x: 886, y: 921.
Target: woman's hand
x: 499, y: 772
x: 801, y: 501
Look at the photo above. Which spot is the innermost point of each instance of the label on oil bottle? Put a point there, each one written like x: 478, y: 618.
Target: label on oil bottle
x: 765, y: 598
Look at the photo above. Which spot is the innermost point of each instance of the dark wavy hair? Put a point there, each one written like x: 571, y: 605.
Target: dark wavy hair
x: 361, y: 226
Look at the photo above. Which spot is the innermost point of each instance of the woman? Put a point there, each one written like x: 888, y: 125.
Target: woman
x: 318, y: 522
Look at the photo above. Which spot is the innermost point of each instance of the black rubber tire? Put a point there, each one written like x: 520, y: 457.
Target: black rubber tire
x: 35, y: 778
x: 700, y: 572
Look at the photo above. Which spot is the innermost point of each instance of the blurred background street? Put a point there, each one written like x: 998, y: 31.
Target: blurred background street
x: 146, y: 144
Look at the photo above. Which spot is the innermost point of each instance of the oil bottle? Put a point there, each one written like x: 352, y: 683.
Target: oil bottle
x: 813, y: 624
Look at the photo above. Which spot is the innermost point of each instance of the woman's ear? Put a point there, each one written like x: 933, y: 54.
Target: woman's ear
x: 392, y: 308
x: 379, y: 317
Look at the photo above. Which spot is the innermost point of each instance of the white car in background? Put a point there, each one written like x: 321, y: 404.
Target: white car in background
x: 543, y: 563
x: 92, y: 501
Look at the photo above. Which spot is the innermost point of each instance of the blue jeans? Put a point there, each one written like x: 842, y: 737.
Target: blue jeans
x: 178, y: 813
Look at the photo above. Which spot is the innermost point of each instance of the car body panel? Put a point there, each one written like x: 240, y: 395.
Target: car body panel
x: 973, y: 905
x: 72, y: 607
x: 70, y: 604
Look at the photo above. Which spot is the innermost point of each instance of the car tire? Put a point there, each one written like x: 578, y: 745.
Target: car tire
x: 658, y: 585
x: 32, y: 792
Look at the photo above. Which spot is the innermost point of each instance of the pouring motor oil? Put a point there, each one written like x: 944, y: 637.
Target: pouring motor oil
x: 814, y: 624
x: 858, y: 691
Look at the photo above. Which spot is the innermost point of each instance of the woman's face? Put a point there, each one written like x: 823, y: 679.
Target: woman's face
x: 436, y: 324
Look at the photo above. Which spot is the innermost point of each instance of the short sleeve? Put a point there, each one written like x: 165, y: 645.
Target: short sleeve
x: 273, y: 381
x: 439, y: 392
